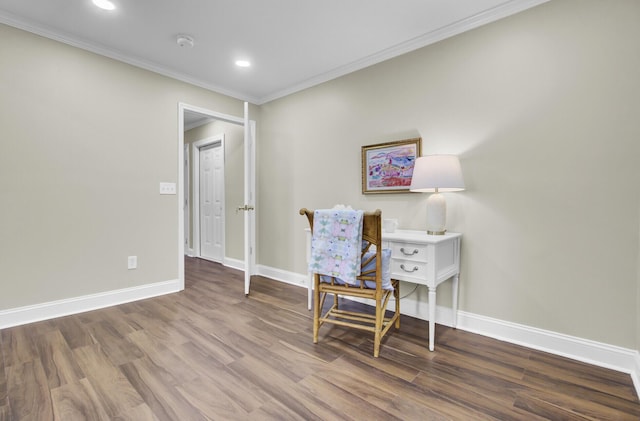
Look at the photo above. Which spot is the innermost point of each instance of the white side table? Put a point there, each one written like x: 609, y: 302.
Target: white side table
x: 426, y: 260
x: 418, y: 258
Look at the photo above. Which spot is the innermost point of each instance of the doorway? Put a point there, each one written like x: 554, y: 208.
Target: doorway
x: 243, y: 205
x: 209, y: 198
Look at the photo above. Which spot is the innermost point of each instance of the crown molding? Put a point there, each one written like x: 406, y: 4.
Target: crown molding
x: 499, y: 12
x: 504, y: 10
x: 16, y: 22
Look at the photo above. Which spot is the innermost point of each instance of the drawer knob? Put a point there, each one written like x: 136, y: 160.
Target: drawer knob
x: 407, y: 270
x: 415, y: 251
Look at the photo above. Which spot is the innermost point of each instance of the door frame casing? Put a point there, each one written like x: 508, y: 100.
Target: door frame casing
x: 182, y: 107
x: 195, y: 176
x: 187, y: 208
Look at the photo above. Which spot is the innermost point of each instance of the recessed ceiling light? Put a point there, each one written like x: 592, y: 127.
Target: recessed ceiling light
x: 243, y: 63
x: 104, y: 4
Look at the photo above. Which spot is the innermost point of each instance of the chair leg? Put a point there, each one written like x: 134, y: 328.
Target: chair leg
x: 317, y: 309
x: 378, y: 327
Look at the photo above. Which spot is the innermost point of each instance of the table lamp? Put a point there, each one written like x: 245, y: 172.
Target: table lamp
x: 436, y: 174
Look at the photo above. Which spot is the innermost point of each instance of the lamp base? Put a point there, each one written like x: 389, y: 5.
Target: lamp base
x: 436, y: 232
x: 436, y: 214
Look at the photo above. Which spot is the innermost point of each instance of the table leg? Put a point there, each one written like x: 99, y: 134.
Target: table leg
x: 454, y: 306
x: 432, y: 317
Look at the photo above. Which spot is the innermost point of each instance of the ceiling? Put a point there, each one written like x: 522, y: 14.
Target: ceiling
x: 292, y: 44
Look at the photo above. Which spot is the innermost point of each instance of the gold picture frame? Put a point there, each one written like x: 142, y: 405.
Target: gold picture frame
x: 388, y: 167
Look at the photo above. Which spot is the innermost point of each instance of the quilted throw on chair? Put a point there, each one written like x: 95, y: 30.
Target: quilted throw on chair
x: 336, y: 243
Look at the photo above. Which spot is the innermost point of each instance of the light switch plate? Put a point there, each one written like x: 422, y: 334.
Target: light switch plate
x: 167, y: 188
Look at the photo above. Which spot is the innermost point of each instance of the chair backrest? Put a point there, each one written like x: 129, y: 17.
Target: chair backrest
x: 372, y: 246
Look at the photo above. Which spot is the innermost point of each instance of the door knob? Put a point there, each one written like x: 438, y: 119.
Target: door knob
x: 244, y: 208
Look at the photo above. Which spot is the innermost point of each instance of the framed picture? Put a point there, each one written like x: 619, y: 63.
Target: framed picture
x: 388, y: 167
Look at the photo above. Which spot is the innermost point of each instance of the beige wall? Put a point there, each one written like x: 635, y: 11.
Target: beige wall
x: 233, y: 182
x: 84, y: 143
x: 542, y: 109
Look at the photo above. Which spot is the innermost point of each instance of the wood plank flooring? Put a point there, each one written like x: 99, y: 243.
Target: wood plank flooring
x: 210, y: 353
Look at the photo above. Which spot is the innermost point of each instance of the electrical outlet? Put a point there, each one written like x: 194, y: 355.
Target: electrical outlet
x: 132, y: 262
x: 167, y: 188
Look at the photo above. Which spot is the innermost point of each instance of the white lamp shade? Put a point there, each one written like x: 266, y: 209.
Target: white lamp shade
x: 441, y: 173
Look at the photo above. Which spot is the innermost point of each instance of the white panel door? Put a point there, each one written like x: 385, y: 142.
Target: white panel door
x: 218, y: 201
x: 211, y: 200
x: 185, y: 177
x: 249, y: 199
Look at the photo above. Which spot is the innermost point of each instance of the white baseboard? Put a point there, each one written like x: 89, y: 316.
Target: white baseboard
x: 233, y: 263
x: 49, y: 310
x: 635, y: 374
x: 282, y: 275
x: 38, y: 312
x: 592, y: 352
x: 226, y: 261
x: 585, y: 350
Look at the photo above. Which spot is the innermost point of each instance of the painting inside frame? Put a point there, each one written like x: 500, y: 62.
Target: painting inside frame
x: 388, y: 167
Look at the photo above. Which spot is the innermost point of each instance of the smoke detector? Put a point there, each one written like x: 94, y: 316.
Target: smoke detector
x: 184, y: 41
x: 104, y: 4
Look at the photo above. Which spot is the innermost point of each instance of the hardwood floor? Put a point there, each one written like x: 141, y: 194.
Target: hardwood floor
x: 210, y: 353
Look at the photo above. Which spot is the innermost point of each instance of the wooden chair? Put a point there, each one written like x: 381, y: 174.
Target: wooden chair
x: 372, y: 289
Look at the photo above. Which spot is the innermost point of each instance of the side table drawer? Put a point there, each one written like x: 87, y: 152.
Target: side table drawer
x: 409, y: 270
x: 409, y: 251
